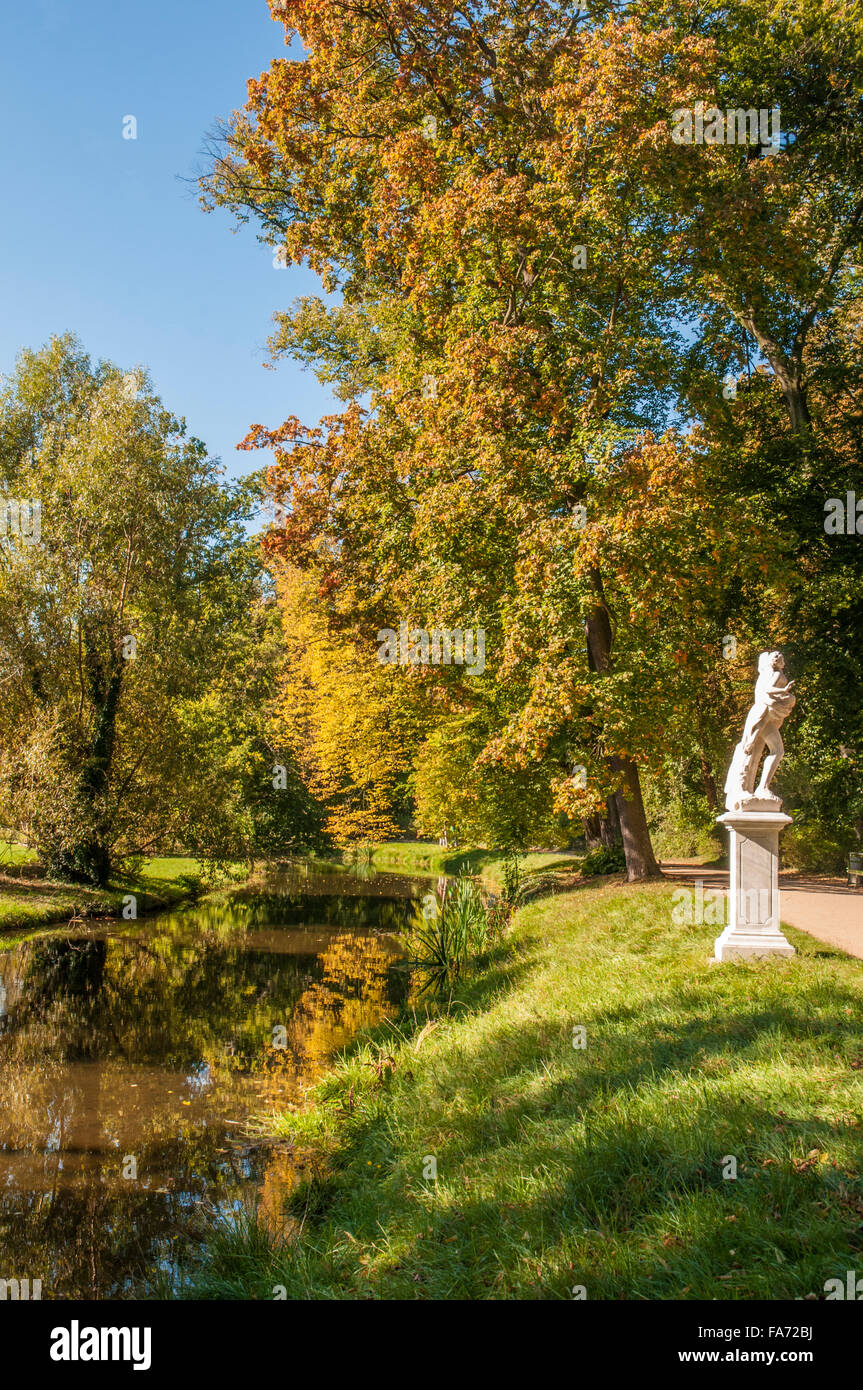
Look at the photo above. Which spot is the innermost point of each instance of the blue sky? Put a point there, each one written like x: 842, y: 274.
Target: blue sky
x: 105, y: 236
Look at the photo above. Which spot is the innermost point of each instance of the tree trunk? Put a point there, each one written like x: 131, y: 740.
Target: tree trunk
x: 789, y: 374
x: 640, y: 860
x: 89, y: 860
x: 709, y: 782
x: 601, y: 831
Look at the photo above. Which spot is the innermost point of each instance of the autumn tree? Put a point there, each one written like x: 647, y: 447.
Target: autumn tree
x: 534, y: 281
x: 339, y: 717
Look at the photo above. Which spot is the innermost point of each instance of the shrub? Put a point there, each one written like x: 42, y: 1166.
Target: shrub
x: 606, y: 859
x: 811, y: 847
x: 512, y: 879
x: 682, y: 827
x: 192, y: 884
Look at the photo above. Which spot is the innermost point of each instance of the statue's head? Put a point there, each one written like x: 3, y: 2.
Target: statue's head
x: 770, y: 661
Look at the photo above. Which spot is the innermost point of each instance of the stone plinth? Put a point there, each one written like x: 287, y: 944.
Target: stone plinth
x: 753, y: 895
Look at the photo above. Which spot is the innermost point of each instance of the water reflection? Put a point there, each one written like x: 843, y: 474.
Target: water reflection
x: 129, y: 1059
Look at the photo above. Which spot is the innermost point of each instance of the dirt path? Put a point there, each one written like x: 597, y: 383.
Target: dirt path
x: 824, y: 907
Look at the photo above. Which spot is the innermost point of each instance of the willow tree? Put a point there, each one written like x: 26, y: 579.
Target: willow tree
x: 125, y: 584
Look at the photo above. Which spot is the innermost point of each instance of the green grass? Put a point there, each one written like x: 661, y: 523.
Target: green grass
x: 559, y: 1167
x: 11, y: 853
x: 171, y: 867
x: 27, y: 904
x: 422, y: 856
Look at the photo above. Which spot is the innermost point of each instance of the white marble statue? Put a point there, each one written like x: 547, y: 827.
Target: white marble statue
x: 773, y: 703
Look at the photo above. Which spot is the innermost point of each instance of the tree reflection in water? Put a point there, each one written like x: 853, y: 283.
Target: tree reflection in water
x: 155, y: 1043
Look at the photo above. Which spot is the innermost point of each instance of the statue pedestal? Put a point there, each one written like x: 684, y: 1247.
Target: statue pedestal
x: 753, y: 895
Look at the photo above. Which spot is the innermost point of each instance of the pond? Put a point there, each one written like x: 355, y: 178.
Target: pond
x: 132, y: 1054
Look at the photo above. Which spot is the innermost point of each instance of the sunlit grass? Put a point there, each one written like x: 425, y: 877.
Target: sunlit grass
x: 170, y: 867
x: 11, y: 853
x: 601, y: 1167
x: 423, y: 856
x: 26, y: 904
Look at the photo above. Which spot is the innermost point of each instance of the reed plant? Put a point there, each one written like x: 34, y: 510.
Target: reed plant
x: 446, y: 938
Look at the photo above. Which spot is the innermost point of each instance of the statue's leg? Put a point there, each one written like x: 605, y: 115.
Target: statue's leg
x: 752, y: 757
x: 776, y: 752
x: 751, y: 733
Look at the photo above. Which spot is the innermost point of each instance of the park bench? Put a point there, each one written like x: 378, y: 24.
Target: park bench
x: 855, y: 869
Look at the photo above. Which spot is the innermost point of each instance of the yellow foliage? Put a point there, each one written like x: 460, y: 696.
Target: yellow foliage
x: 337, y: 712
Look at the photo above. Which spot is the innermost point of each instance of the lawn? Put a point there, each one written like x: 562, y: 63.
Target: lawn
x: 11, y: 853
x: 423, y: 856
x: 26, y: 904
x: 560, y: 1167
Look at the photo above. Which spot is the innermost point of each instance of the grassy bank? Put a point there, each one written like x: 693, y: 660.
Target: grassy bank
x: 600, y: 1167
x: 29, y: 903
x: 11, y: 853
x: 422, y: 856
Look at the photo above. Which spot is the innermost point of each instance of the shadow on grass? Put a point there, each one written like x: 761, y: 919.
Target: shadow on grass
x: 610, y: 1175
x: 647, y: 1190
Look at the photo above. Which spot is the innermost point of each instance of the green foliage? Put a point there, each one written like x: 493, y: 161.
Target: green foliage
x: 488, y: 803
x: 811, y: 846
x: 605, y: 859
x: 445, y: 941
x: 192, y: 884
x: 682, y: 825
x: 823, y: 782
x: 138, y: 638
